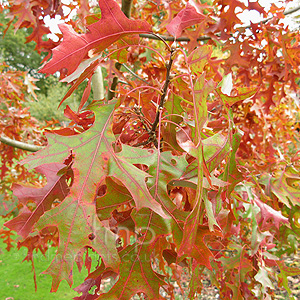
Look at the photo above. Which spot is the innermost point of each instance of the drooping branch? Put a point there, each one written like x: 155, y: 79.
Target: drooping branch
x: 20, y: 145
x: 205, y: 38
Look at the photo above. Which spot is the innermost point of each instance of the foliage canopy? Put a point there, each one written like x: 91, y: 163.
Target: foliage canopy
x: 188, y: 165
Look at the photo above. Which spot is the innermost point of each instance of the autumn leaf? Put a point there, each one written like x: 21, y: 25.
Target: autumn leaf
x: 136, y: 276
x: 199, y: 58
x: 216, y: 198
x: 23, y: 11
x: 187, y: 17
x: 239, y: 266
x: 199, y: 249
x: 76, y: 223
x: 264, y: 279
x: 283, y: 185
x: 269, y: 216
x: 230, y: 100
x: 200, y: 92
x: 93, y: 160
x: 112, y: 26
x: 55, y: 189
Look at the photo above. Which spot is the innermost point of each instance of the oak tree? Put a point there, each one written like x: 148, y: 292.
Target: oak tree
x: 188, y: 166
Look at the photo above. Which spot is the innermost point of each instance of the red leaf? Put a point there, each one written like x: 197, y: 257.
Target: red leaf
x: 56, y: 188
x: 269, y: 214
x: 112, y: 26
x: 199, y: 249
x: 185, y: 18
x: 254, y: 5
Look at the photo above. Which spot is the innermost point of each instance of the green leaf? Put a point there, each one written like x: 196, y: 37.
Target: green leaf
x: 173, y: 106
x: 136, y: 276
x: 94, y: 159
x: 263, y: 278
x: 201, y: 91
x: 114, y: 196
x: 199, y: 58
x: 209, y: 212
x: 285, y: 272
x: 230, y: 100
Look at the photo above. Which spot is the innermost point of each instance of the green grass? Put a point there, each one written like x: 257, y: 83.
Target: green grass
x: 17, y: 277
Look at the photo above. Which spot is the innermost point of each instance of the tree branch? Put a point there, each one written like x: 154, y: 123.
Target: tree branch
x: 97, y: 84
x: 205, y: 38
x: 134, y: 74
x: 126, y: 9
x: 152, y: 132
x: 20, y: 145
x: 163, y: 96
x: 171, y: 38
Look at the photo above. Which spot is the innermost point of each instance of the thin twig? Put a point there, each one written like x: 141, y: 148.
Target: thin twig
x: 171, y: 38
x: 134, y: 74
x: 20, y: 145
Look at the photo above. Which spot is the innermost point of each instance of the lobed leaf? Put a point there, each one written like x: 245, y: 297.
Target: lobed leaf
x: 187, y: 17
x: 55, y: 189
x: 112, y: 26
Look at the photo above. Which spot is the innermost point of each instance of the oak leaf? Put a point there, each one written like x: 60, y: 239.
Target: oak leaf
x: 112, y: 26
x: 94, y: 158
x: 55, y: 189
x: 187, y: 17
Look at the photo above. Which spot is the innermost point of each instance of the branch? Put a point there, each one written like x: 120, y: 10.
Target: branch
x: 164, y: 93
x: 111, y: 91
x: 205, y: 38
x: 97, y: 84
x: 126, y: 9
x: 292, y: 10
x: 19, y: 145
x: 152, y: 131
x: 134, y: 74
x: 171, y: 38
